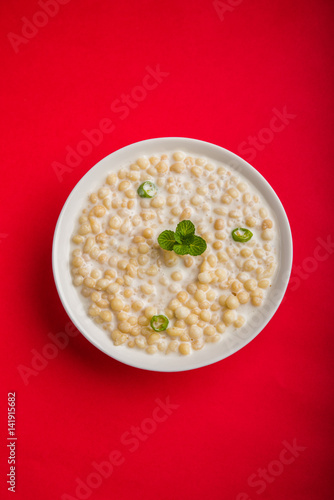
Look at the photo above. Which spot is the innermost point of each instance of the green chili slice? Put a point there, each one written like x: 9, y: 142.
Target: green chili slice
x: 147, y: 190
x: 159, y: 323
x: 241, y: 234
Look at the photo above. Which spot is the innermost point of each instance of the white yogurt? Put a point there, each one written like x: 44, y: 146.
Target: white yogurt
x: 203, y: 192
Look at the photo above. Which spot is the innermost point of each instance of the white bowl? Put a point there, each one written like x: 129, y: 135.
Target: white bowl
x: 69, y: 294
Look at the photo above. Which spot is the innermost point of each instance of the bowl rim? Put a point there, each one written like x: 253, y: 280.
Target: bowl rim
x: 288, y: 248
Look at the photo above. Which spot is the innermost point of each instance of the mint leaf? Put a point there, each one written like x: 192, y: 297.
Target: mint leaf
x: 183, y: 241
x: 178, y: 238
x: 166, y: 240
x: 185, y: 228
x: 181, y: 249
x: 197, y: 246
x: 187, y: 239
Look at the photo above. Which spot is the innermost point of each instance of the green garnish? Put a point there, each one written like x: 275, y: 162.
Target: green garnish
x: 183, y: 241
x: 167, y: 240
x: 159, y: 323
x: 147, y: 190
x: 197, y: 246
x: 185, y: 228
x: 241, y: 234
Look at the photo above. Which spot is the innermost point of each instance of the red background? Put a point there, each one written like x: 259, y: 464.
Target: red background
x: 226, y: 75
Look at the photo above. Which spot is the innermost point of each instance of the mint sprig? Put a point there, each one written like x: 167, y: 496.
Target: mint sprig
x: 197, y: 246
x: 181, y: 249
x: 177, y: 237
x: 185, y: 228
x: 167, y: 240
x: 183, y: 241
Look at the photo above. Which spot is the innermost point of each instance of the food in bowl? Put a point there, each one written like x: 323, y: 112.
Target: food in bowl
x: 172, y: 251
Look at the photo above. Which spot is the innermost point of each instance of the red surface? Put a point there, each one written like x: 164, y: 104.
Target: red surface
x: 224, y: 77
